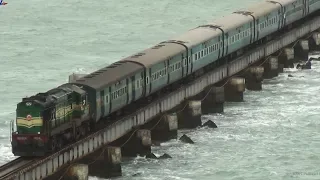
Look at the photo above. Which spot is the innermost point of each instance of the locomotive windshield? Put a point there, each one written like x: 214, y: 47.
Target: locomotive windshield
x: 29, y: 119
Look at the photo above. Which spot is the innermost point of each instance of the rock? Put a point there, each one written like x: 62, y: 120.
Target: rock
x: 136, y: 174
x: 151, y: 156
x: 210, y: 124
x: 165, y: 156
x: 156, y: 143
x: 186, y: 139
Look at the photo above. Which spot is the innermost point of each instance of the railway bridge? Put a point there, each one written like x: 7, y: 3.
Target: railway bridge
x: 100, y: 153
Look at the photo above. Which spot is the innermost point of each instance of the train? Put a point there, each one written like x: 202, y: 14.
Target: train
x: 46, y: 122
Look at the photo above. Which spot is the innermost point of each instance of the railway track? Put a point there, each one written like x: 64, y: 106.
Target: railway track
x: 14, y: 166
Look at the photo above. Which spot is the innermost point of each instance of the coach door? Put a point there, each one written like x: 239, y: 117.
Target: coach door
x: 102, y: 103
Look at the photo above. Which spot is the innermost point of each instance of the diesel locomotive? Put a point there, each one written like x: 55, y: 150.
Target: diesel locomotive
x: 47, y: 121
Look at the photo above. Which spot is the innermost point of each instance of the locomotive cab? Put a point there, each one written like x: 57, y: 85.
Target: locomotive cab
x: 29, y: 139
x: 47, y: 121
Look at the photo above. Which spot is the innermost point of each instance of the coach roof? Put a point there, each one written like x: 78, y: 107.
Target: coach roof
x: 110, y: 74
x: 284, y: 2
x: 231, y: 21
x: 262, y: 8
x: 160, y: 52
x: 198, y: 35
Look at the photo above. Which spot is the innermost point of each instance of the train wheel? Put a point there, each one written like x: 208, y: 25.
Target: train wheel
x: 78, y: 133
x: 53, y: 143
x: 59, y: 143
x: 82, y: 130
x: 88, y: 128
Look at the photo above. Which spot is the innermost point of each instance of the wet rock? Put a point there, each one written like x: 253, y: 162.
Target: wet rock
x: 156, y: 143
x: 314, y: 59
x: 290, y: 75
x: 165, y: 156
x: 210, y: 124
x: 303, y: 66
x: 186, y: 139
x: 151, y: 156
x: 136, y: 174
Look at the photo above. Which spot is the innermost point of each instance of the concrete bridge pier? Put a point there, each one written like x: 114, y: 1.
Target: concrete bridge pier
x: 138, y: 144
x: 190, y: 116
x: 213, y: 101
x: 271, y: 68
x: 77, y: 172
x: 234, y: 89
x: 301, y: 50
x: 107, y: 164
x: 314, y: 42
x: 286, y: 59
x: 166, y: 129
x: 254, y: 77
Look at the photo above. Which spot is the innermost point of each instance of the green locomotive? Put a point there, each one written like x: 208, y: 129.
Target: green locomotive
x: 47, y: 121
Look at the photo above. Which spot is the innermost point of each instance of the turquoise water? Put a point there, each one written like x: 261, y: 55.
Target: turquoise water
x: 272, y: 135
